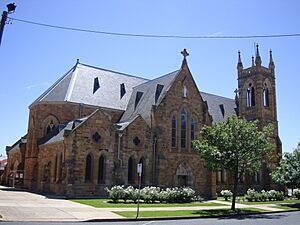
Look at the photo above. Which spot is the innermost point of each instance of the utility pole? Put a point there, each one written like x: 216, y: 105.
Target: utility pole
x: 11, y: 7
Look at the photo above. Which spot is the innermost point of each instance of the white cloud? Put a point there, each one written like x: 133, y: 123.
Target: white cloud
x: 216, y: 34
x: 29, y: 87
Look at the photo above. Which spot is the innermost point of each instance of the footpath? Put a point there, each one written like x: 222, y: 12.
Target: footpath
x: 19, y: 205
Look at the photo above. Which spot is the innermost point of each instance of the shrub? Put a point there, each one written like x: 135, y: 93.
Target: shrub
x: 279, y: 196
x: 263, y: 196
x: 116, y: 193
x: 187, y: 194
x: 131, y: 194
x: 297, y: 193
x: 152, y: 194
x: 272, y: 195
x: 251, y: 195
x: 226, y: 194
x: 197, y: 198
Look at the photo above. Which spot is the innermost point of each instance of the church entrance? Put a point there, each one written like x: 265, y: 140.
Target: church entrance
x: 184, y: 176
x: 182, y: 180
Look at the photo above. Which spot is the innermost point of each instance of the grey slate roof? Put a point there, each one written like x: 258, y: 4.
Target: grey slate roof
x: 147, y: 100
x: 16, y: 145
x: 78, y: 84
x: 59, y: 135
x: 215, y: 104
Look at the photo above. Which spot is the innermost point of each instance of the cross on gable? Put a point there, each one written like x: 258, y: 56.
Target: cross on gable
x: 184, y: 53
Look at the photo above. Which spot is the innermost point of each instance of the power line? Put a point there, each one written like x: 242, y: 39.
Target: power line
x: 157, y: 36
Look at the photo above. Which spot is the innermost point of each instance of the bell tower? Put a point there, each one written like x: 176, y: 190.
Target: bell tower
x: 257, y: 90
x: 256, y: 97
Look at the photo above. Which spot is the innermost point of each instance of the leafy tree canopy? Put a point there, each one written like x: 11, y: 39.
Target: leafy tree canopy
x: 236, y: 145
x: 288, y: 171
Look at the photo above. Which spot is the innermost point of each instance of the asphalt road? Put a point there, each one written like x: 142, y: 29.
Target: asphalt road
x: 292, y: 218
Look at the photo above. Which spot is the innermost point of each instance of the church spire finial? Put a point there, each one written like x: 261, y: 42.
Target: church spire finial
x: 239, y: 64
x: 252, y: 61
x: 271, y: 63
x: 257, y: 58
x: 185, y: 54
x: 271, y: 58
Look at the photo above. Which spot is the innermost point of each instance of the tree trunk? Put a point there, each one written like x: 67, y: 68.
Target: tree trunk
x: 235, y: 183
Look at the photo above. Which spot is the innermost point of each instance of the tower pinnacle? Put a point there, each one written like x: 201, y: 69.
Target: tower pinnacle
x: 257, y: 58
x: 271, y: 63
x: 239, y: 64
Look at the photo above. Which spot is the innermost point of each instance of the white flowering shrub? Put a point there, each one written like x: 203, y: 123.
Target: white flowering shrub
x: 179, y: 195
x: 251, y: 195
x: 297, y: 193
x: 131, y: 194
x: 116, y: 193
x: 263, y: 196
x: 187, y: 194
x: 226, y: 194
x: 152, y: 194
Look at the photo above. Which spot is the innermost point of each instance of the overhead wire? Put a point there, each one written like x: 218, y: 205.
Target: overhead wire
x: 154, y: 35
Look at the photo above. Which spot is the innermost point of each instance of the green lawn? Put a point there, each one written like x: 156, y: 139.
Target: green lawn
x: 189, y: 213
x: 295, y: 206
x: 272, y: 202
x: 105, y: 203
x: 258, y: 203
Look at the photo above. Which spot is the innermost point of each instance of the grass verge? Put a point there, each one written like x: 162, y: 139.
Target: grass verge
x: 105, y: 203
x: 272, y: 202
x: 261, y: 203
x: 295, y: 206
x: 189, y: 213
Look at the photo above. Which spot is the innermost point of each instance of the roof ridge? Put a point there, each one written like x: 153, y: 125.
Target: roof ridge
x: 54, y: 85
x: 112, y: 71
x: 215, y: 95
x: 149, y: 81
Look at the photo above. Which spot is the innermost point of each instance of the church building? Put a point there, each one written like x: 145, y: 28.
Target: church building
x: 92, y: 127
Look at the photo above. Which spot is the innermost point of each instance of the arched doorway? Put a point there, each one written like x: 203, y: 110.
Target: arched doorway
x: 184, y: 175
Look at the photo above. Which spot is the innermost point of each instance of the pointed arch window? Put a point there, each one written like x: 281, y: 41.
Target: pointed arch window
x: 173, y: 131
x: 250, y: 96
x: 101, y: 170
x: 130, y: 170
x: 193, y: 129
x: 266, y: 95
x: 88, y: 168
x: 50, y: 127
x: 184, y: 91
x: 183, y: 129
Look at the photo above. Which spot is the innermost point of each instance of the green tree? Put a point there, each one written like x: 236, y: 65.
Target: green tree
x: 288, y: 171
x: 236, y: 145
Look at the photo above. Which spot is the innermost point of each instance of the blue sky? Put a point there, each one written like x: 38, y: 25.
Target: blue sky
x: 33, y: 57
